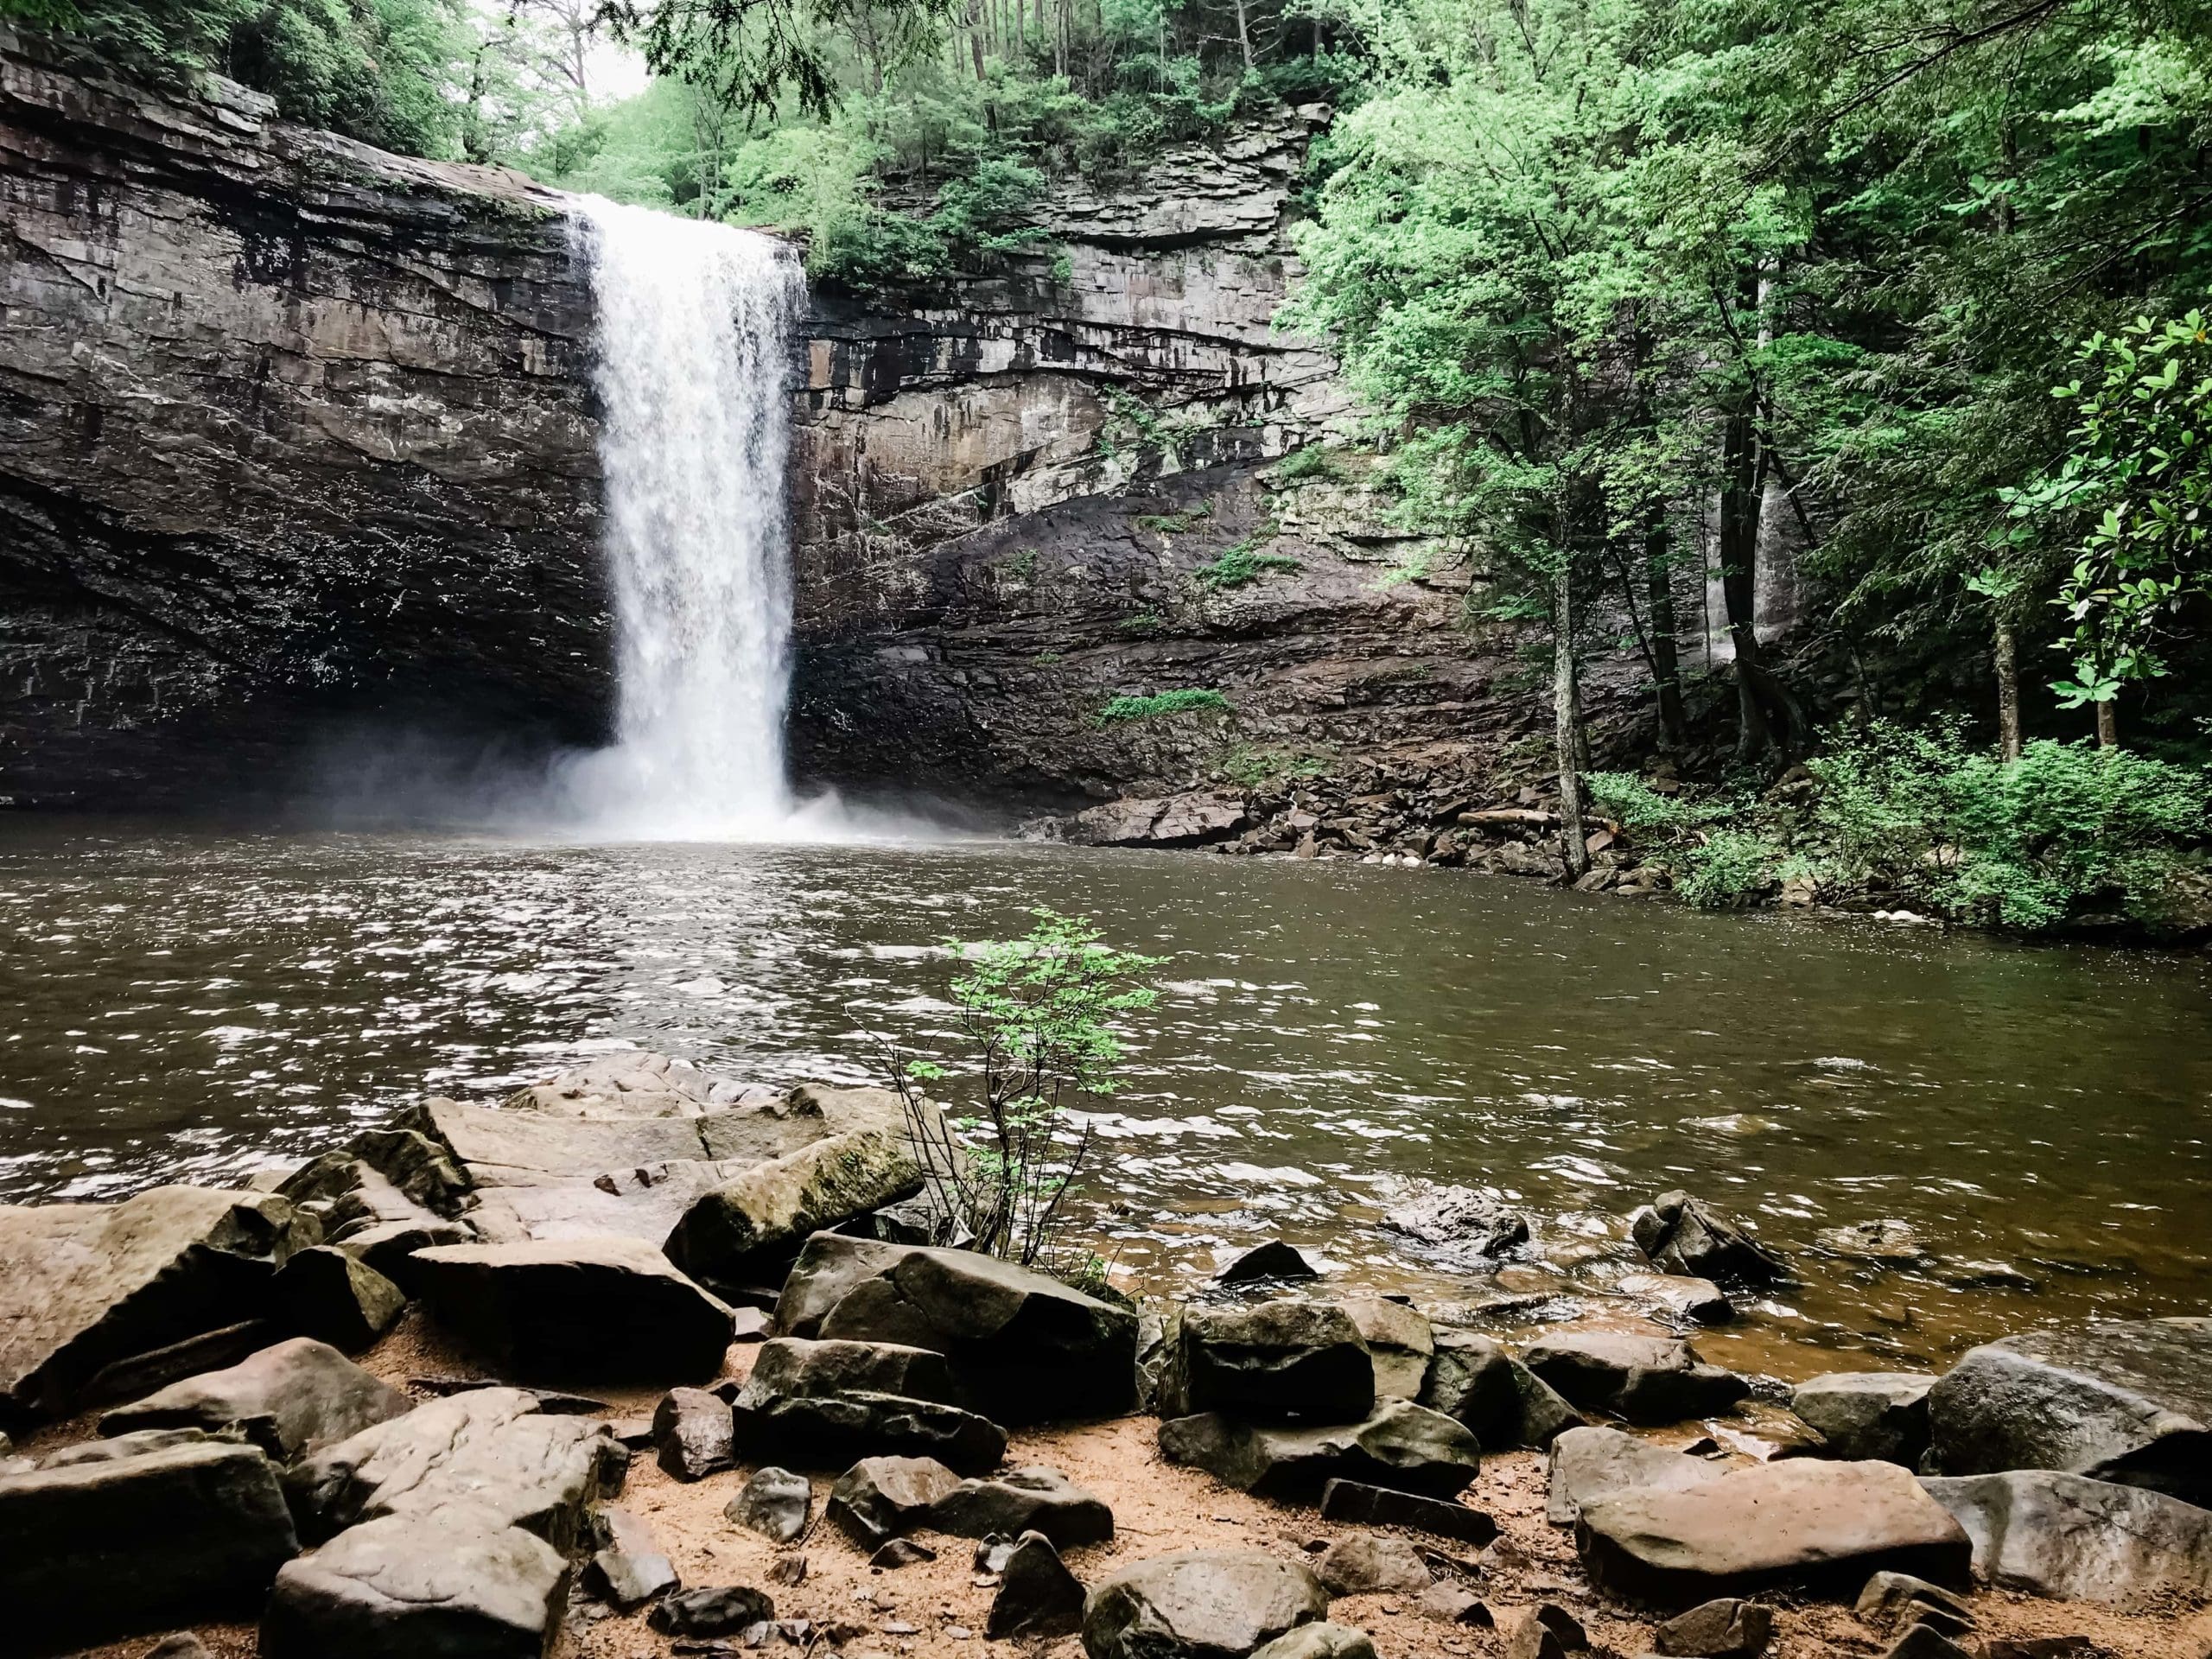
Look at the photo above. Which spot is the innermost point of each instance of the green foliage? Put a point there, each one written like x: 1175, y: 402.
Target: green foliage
x: 1164, y: 702
x: 1174, y: 524
x: 1252, y: 765
x: 1037, y: 1019
x: 1641, y: 810
x: 1309, y: 463
x: 1242, y: 565
x: 1728, y: 869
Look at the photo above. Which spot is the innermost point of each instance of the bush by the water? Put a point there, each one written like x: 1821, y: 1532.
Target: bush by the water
x: 1945, y: 826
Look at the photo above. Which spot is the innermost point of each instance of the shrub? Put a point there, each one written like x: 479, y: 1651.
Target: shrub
x: 1163, y: 703
x: 1308, y: 463
x: 1254, y: 767
x: 1731, y: 869
x: 1240, y: 567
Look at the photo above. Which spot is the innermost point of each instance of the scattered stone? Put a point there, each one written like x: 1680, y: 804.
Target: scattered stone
x: 183, y: 1645
x: 1590, y: 1464
x: 1039, y: 1500
x: 1360, y: 1503
x: 635, y: 1433
x: 992, y: 1553
x: 774, y: 1503
x: 1886, y: 1243
x: 878, y: 1498
x: 1322, y: 1641
x: 1683, y: 1235
x: 457, y: 1584
x: 600, y: 1307
x: 1272, y: 1261
x: 491, y: 1449
x: 1863, y: 1414
x: 86, y: 1287
x: 120, y: 1545
x: 2038, y: 1647
x: 1199, y: 1605
x: 900, y: 1552
x: 1795, y: 1521
x: 1640, y: 1379
x: 1526, y: 1635
x: 1699, y: 1300
x: 1402, y: 1446
x: 1727, y: 1628
x: 1024, y: 1347
x: 1504, y: 1403
x: 833, y: 1428
x: 1369, y: 1564
x: 291, y: 1399
x: 1925, y: 1641
x: 628, y: 1580
x: 1458, y: 1223
x: 787, y: 1569
x: 1400, y: 1341
x: 335, y: 1297
x: 2082, y: 1540
x: 1889, y: 1597
x: 1455, y: 1604
x: 1038, y: 1595
x: 723, y: 1611
x: 693, y: 1431
x: 1280, y: 1359
x: 2124, y: 1400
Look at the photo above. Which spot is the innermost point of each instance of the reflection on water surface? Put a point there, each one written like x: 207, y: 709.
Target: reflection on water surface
x: 186, y: 1006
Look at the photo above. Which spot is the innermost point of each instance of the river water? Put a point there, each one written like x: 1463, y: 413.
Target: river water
x: 191, y: 1004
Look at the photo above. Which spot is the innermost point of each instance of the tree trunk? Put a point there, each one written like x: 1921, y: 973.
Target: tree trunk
x: 1666, y: 665
x: 2108, y: 724
x: 1566, y: 713
x: 2005, y: 654
x: 976, y: 35
x: 1742, y: 491
x: 1243, y: 36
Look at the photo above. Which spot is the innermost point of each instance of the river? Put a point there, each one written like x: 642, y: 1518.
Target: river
x: 190, y: 1005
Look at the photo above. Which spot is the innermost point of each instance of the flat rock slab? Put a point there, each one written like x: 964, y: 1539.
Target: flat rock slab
x: 123, y: 1546
x: 491, y: 1449
x: 1699, y: 1300
x: 832, y: 1429
x: 1589, y: 1463
x: 1280, y: 1359
x: 1640, y: 1379
x: 1361, y: 1504
x: 608, y: 1309
x: 791, y: 1368
x: 1401, y: 1340
x: 2126, y: 1400
x: 1863, y: 1414
x: 2081, y: 1540
x: 456, y: 1585
x: 1322, y: 1641
x: 289, y: 1400
x: 1199, y: 1605
x: 84, y: 1287
x: 1025, y: 1347
x: 1796, y: 1523
x: 1039, y: 1500
x: 1401, y: 1444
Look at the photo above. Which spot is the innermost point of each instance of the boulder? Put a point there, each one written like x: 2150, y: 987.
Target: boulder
x: 1638, y: 1379
x: 390, y: 1246
x: 1925, y: 1641
x: 1697, y: 1301
x: 1039, y: 1500
x: 1400, y: 1341
x: 1459, y: 1225
x: 1540, y: 1632
x: 1274, y: 1260
x: 2081, y: 1540
x: 1500, y: 1400
x: 455, y: 1586
x: 1361, y: 1504
x: 1401, y: 1444
x: 1450, y: 1603
x: 1589, y: 1463
x: 291, y: 1399
x: 724, y: 1610
x: 751, y: 1224
x: 1890, y: 1599
x: 1799, y: 1522
x: 788, y: 1367
x: 129, y: 1545
x: 832, y: 1429
x: 606, y: 1308
x: 774, y: 1503
x: 1369, y: 1564
x: 335, y: 1297
x: 1727, y: 1628
x: 1683, y: 1235
x: 630, y: 1567
x: 1187, y: 820
x: 1199, y: 1605
x: 1278, y: 1360
x: 1863, y: 1414
x: 490, y: 1448
x: 1322, y: 1641
x: 118, y: 1448
x: 693, y: 1434
x: 1024, y: 1347
x: 84, y: 1287
x: 1037, y: 1597
x: 1886, y: 1243
x: 900, y: 1552
x: 880, y: 1498
x: 2126, y: 1400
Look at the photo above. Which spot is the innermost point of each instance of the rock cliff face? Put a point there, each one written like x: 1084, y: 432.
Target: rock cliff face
x: 294, y: 433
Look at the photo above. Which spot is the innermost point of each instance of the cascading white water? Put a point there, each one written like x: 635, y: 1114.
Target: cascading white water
x: 695, y: 336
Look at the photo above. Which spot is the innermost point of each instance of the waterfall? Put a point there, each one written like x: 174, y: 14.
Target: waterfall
x: 695, y: 347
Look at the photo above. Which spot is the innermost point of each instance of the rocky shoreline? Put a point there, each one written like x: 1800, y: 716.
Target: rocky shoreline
x: 641, y: 1362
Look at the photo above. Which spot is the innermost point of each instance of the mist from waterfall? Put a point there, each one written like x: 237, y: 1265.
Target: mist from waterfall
x: 695, y: 328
